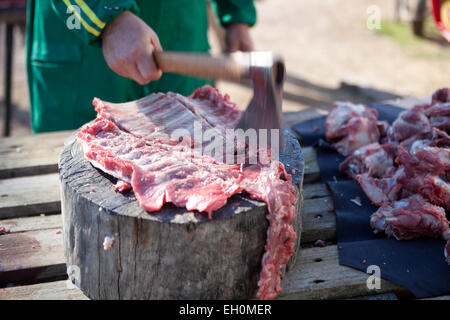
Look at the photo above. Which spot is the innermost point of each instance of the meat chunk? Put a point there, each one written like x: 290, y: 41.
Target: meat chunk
x: 351, y: 126
x: 409, y: 123
x: 360, y: 132
x: 342, y: 112
x: 374, y: 159
x: 435, y: 138
x: 439, y: 115
x: 381, y: 191
x: 410, y: 218
x: 430, y: 160
x: 436, y: 190
x: 441, y: 95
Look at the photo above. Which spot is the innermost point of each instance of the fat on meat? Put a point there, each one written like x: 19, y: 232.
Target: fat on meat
x: 374, y: 159
x: 381, y: 191
x: 432, y: 160
x: 436, y: 190
x: 159, y: 115
x: 411, y: 218
x: 409, y: 123
x: 351, y: 126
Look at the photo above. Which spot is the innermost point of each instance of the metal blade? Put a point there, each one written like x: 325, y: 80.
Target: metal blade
x: 264, y: 110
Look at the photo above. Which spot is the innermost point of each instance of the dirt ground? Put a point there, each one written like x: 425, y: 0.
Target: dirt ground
x: 330, y: 55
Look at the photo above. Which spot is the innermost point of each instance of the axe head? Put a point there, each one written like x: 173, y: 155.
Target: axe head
x: 264, y: 111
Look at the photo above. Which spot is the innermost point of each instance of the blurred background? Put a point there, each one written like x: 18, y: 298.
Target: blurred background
x: 356, y: 50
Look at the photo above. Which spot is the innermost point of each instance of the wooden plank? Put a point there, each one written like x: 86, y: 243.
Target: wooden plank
x: 31, y: 155
x: 318, y: 275
x: 315, y: 190
x: 33, y: 255
x: 57, y: 290
x: 29, y: 195
x: 318, y: 221
x: 312, y: 171
x: 319, y: 218
x: 33, y: 223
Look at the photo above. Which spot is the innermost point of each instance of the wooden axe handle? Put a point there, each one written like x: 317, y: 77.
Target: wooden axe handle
x: 227, y: 67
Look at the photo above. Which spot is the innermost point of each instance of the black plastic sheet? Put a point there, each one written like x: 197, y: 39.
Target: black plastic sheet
x: 417, y: 265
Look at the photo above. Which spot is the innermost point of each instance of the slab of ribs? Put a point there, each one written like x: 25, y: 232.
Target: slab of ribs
x: 407, y: 172
x: 134, y: 143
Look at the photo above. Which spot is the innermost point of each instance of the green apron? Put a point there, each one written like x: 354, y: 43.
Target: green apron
x: 65, y: 64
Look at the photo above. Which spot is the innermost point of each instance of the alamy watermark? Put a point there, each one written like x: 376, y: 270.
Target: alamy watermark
x: 234, y: 146
x: 374, y: 17
x: 73, y: 21
x: 74, y: 274
x: 374, y: 280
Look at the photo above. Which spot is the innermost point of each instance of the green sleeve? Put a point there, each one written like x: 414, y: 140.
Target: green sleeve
x: 236, y: 11
x: 88, y: 18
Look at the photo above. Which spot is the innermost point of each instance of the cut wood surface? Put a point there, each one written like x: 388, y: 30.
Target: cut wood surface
x: 56, y: 290
x: 31, y: 155
x: 29, y: 195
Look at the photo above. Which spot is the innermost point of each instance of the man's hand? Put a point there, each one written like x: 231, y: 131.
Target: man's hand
x: 238, y: 38
x: 128, y: 44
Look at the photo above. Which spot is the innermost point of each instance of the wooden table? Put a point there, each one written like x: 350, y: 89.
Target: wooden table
x: 32, y: 263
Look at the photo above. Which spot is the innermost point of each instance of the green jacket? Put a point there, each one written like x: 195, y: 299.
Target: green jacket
x: 65, y: 64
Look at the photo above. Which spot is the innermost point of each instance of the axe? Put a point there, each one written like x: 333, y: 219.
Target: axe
x: 265, y: 71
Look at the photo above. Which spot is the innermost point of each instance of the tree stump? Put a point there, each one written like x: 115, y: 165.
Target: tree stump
x: 170, y: 254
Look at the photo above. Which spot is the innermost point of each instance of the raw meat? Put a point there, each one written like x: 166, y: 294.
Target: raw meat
x: 351, y: 126
x: 441, y: 95
x: 127, y: 141
x: 381, y: 191
x: 374, y: 159
x: 439, y: 115
x: 413, y: 189
x: 158, y: 172
x: 342, y: 112
x: 436, y: 190
x: 431, y: 160
x: 410, y: 218
x: 409, y: 123
x: 157, y: 116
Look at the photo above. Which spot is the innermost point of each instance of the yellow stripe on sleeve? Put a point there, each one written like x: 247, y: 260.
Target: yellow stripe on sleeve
x: 90, y: 13
x: 83, y: 22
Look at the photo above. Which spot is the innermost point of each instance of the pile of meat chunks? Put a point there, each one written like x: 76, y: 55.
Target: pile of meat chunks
x: 404, y: 168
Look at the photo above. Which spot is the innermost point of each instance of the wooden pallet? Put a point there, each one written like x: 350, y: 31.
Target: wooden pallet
x: 32, y: 263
